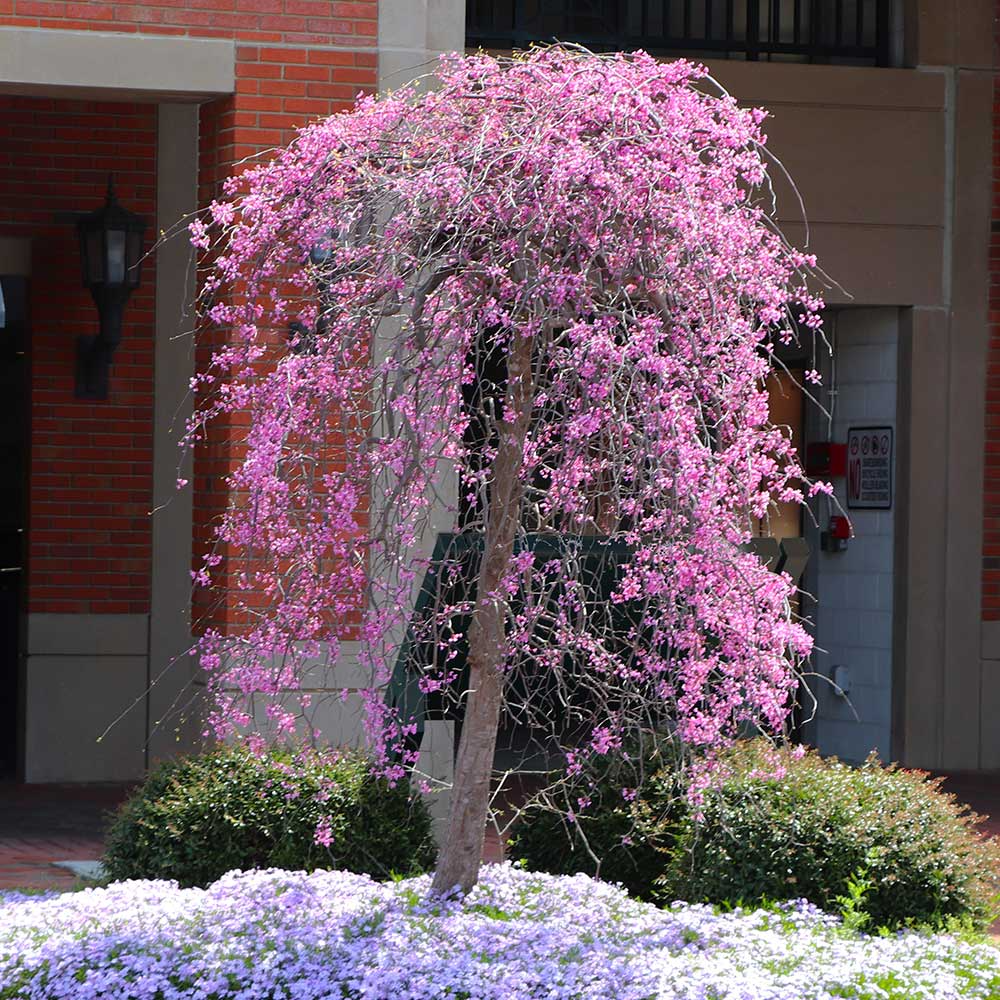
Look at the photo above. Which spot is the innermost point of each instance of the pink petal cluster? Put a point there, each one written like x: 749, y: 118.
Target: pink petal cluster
x: 615, y: 210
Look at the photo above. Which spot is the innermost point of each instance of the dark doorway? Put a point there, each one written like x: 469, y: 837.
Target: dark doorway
x: 13, y: 504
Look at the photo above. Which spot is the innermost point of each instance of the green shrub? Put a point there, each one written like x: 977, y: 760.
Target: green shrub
x: 612, y: 838
x: 196, y: 818
x: 884, y: 845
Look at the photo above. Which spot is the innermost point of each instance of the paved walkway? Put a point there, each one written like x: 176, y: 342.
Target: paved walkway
x: 982, y: 792
x: 44, y: 824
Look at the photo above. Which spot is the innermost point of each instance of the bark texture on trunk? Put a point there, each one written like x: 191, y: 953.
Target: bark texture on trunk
x: 461, y: 853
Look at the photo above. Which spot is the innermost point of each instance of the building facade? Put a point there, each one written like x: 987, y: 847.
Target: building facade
x: 881, y: 110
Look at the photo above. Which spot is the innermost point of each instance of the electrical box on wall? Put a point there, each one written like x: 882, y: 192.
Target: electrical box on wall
x: 826, y: 458
x: 836, y: 537
x: 841, y: 677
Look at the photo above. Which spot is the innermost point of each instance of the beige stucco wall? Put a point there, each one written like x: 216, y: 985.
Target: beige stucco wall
x: 865, y: 148
x: 173, y: 702
x: 412, y: 34
x: 894, y: 168
x: 949, y: 33
x: 84, y: 697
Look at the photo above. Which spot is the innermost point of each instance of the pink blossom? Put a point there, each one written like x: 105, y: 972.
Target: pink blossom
x: 613, y: 211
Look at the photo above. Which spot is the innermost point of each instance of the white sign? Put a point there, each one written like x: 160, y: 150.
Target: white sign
x: 869, y: 468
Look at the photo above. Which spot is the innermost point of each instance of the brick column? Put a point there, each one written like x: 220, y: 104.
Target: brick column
x: 278, y: 89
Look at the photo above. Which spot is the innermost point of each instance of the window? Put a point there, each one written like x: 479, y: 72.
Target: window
x: 826, y: 31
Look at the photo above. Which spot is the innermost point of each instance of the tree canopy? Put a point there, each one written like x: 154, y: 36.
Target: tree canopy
x: 536, y: 304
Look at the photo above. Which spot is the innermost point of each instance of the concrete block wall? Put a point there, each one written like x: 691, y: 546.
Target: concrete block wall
x: 413, y: 33
x: 854, y: 589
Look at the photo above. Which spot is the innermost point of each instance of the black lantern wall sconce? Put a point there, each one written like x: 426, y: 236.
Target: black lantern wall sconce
x: 111, y: 241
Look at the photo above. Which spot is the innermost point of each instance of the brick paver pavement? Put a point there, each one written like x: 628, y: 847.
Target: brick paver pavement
x: 981, y: 790
x: 41, y: 824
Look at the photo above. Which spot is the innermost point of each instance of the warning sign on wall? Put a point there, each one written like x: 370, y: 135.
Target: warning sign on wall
x: 869, y: 468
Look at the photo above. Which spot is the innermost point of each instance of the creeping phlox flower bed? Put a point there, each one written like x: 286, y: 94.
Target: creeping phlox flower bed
x: 518, y: 935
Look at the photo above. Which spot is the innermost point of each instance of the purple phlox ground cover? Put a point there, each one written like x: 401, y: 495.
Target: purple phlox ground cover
x: 519, y: 935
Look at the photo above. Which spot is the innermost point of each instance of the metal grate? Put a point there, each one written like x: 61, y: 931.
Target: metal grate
x: 844, y: 31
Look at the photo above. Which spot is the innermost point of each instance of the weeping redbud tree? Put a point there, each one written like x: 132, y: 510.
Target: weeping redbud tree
x: 498, y: 352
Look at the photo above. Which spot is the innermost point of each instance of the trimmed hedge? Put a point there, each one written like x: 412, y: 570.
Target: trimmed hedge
x: 615, y: 838
x: 913, y: 850
x: 909, y: 853
x: 196, y: 818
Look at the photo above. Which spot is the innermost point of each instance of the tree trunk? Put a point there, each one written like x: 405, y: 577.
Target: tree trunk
x: 461, y: 853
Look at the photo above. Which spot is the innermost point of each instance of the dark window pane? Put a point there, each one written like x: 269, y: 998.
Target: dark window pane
x: 850, y: 31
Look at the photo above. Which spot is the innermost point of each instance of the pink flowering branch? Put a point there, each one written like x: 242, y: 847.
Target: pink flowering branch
x: 538, y: 302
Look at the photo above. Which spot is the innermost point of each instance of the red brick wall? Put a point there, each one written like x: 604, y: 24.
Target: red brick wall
x: 90, y: 461
x: 991, y: 498
x: 295, y: 60
x: 279, y: 86
x: 299, y: 22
